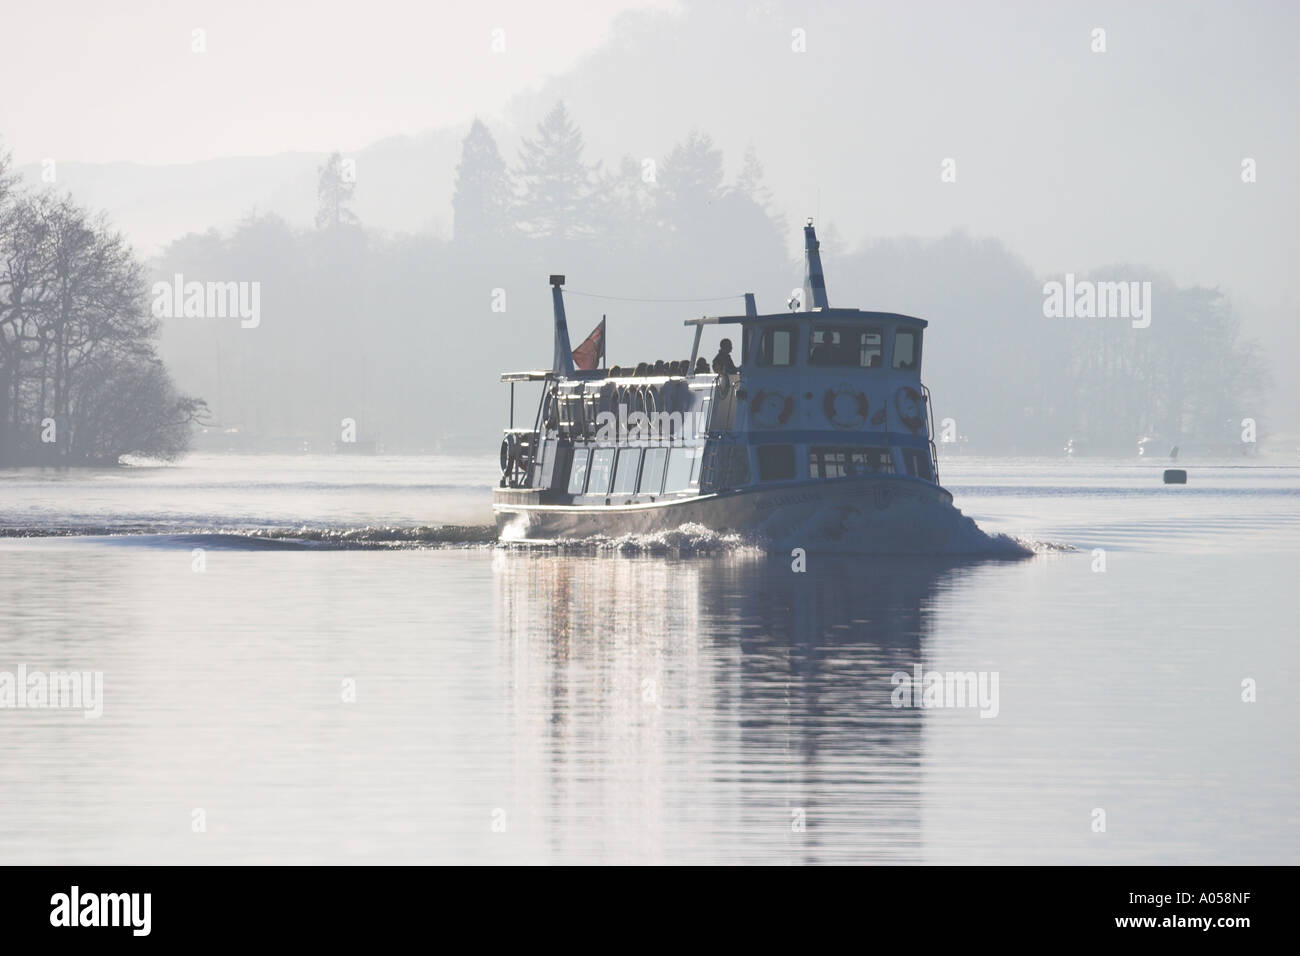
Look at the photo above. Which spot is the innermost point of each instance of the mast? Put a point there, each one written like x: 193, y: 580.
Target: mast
x: 814, y: 283
x: 562, y: 365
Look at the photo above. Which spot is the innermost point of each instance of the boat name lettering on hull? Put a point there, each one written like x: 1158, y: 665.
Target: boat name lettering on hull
x: 783, y: 501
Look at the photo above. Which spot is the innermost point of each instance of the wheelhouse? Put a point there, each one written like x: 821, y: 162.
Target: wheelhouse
x: 831, y: 393
x: 828, y: 339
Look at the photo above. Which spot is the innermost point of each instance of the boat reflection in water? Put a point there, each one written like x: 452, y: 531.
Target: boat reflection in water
x: 716, y: 708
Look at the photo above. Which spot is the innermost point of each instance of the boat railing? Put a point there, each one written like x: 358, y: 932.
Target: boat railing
x: 929, y: 423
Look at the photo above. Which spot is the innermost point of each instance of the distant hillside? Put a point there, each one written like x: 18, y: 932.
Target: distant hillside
x: 403, y: 184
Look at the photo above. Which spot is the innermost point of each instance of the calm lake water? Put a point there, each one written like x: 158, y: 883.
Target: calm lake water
x: 641, y: 701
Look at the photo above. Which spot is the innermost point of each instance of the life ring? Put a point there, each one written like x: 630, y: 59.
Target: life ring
x: 770, y: 408
x: 910, y: 408
x: 509, y: 453
x: 845, y: 407
x: 652, y: 399
x: 608, y: 395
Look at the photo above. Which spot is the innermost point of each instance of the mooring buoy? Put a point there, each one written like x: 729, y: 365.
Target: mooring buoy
x: 1175, y: 476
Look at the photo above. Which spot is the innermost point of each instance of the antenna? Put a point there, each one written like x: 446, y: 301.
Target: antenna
x: 814, y: 282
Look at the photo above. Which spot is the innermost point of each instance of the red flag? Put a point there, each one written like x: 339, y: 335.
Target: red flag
x: 592, y: 349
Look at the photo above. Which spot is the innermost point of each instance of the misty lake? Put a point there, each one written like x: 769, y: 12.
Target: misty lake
x: 299, y: 666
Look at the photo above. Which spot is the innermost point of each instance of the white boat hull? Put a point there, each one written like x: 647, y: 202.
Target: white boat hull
x: 871, y: 515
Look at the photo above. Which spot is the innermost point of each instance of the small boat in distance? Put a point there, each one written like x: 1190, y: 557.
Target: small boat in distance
x: 820, y: 439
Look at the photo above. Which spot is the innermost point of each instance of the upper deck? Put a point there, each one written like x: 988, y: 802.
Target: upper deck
x: 825, y: 342
x: 826, y: 313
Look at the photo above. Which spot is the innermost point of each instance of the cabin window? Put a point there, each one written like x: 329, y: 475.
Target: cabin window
x: 702, y: 420
x: 878, y: 461
x: 827, y: 462
x: 629, y: 462
x: 652, y: 472
x: 776, y: 347
x: 918, y: 463
x: 678, y: 475
x: 776, y: 462
x: 734, y: 465
x: 602, y: 466
x: 578, y: 473
x: 907, y: 349
x: 847, y: 461
x: 845, y: 346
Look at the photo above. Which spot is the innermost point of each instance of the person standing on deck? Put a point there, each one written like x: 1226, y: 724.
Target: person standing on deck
x: 722, y: 363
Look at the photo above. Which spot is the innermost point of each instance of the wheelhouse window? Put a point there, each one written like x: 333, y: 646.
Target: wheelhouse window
x: 652, y: 472
x: 776, y: 462
x: 629, y: 462
x: 776, y: 347
x: 848, y: 461
x: 602, y: 467
x: 578, y: 473
x: 907, y: 349
x: 917, y: 461
x: 846, y: 346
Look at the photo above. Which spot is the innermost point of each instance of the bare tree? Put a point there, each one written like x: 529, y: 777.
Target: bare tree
x: 79, y: 378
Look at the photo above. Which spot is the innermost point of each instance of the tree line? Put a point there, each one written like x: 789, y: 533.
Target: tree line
x: 80, y: 378
x: 405, y: 334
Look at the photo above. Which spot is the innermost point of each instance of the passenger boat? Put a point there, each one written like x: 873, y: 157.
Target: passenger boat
x: 820, y: 439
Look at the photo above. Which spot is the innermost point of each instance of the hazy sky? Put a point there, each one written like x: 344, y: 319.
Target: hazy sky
x: 100, y: 82
x: 1074, y: 160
